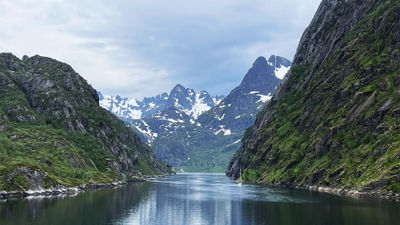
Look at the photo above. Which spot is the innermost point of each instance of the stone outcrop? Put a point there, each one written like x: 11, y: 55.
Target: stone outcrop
x: 334, y: 120
x: 54, y: 131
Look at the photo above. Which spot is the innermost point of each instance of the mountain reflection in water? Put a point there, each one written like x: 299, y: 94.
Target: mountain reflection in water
x: 197, y: 199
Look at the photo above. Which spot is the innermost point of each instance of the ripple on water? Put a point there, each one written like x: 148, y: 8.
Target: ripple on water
x: 206, y: 187
x: 197, y: 199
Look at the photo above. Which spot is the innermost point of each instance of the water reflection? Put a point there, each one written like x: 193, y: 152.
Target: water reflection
x: 214, y: 199
x: 92, y: 207
x: 198, y: 199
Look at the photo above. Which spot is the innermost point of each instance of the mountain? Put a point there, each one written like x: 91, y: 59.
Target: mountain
x: 334, y: 122
x: 237, y: 111
x: 163, y: 114
x: 184, y: 99
x: 129, y: 109
x: 198, y: 131
x: 53, y: 131
x: 208, y: 142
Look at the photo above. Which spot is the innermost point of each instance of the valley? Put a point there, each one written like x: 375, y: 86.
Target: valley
x: 230, y: 137
x: 196, y: 132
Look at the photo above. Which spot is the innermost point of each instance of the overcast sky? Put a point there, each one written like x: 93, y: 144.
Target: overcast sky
x: 140, y: 48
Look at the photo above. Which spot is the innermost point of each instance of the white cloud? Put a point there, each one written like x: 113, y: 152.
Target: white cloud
x: 141, y: 48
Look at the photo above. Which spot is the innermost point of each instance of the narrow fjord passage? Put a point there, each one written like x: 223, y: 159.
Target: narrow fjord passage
x: 197, y: 199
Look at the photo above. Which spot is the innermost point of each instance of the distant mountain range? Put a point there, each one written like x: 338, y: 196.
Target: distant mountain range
x: 186, y: 100
x: 197, y: 131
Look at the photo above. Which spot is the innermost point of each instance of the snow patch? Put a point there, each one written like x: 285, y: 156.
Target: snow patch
x: 198, y: 108
x: 264, y: 98
x: 146, y: 132
x: 237, y: 141
x: 222, y: 129
x: 220, y: 117
x: 174, y: 121
x: 125, y: 108
x: 281, y: 72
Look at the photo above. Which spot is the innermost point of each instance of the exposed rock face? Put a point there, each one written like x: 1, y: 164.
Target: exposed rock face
x: 183, y: 99
x: 66, y: 128
x: 334, y: 120
x: 31, y: 178
x: 207, y: 144
x: 179, y: 111
x: 197, y: 130
x: 237, y: 111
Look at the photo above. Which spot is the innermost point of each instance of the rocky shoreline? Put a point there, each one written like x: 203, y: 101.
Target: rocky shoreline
x: 354, y: 193
x: 65, y: 190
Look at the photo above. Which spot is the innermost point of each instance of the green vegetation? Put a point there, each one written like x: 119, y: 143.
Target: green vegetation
x: 36, y: 145
x: 51, y: 124
x: 334, y: 125
x: 208, y: 158
x: 211, y: 156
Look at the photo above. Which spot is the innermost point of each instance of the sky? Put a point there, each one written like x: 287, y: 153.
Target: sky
x: 139, y: 48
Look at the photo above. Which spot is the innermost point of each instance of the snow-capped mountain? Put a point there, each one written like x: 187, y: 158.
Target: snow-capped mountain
x: 237, y: 111
x: 197, y: 130
x: 190, y: 102
x: 210, y: 140
x: 184, y: 99
x: 162, y: 123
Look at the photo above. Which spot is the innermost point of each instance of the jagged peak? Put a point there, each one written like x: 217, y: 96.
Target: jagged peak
x: 180, y: 89
x: 164, y: 94
x: 278, y: 61
x: 8, y: 55
x: 260, y: 61
x: 178, y: 86
x: 42, y: 59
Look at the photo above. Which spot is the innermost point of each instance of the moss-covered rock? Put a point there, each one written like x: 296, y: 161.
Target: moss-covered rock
x: 335, y: 120
x: 53, y: 131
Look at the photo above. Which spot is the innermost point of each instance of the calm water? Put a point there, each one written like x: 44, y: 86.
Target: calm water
x: 197, y: 199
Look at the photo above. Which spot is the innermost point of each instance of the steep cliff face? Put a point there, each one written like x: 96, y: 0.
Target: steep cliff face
x: 335, y: 120
x: 53, y: 131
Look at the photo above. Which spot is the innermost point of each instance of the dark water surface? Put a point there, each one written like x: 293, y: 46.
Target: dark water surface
x: 197, y: 199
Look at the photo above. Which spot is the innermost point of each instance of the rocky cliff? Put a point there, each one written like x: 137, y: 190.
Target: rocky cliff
x: 53, y: 131
x: 335, y: 120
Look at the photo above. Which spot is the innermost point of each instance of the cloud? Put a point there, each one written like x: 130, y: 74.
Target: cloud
x: 141, y: 48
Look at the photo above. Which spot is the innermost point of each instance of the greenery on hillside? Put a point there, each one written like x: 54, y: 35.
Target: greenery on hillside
x: 51, y: 124
x: 212, y: 156
x: 339, y: 125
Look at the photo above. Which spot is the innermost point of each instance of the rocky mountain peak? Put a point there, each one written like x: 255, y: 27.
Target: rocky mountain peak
x: 278, y: 61
x: 178, y: 88
x: 181, y: 97
x: 261, y: 61
x: 263, y: 75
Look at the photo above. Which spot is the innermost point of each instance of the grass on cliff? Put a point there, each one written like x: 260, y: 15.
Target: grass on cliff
x: 63, y: 156
x: 302, y: 120
x: 68, y: 158
x: 37, y: 140
x: 212, y: 156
